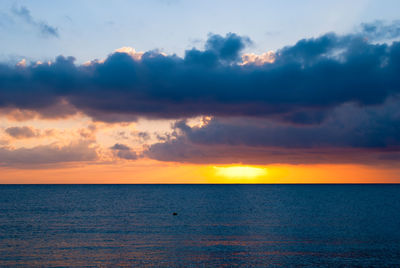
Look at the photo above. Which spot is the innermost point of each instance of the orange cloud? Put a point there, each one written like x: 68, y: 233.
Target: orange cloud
x: 251, y: 58
x: 131, y: 52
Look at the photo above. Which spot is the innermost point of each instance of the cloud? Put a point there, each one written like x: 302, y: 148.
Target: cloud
x: 379, y: 30
x: 59, y: 110
x: 45, y: 29
x: 124, y: 151
x: 333, y: 98
x: 349, y: 134
x: 22, y: 132
x: 347, y: 126
x: 304, y: 82
x: 251, y: 58
x: 26, y: 132
x: 143, y: 136
x: 183, y: 151
x: 329, y: 99
x: 130, y: 51
x: 47, y: 155
x: 227, y: 48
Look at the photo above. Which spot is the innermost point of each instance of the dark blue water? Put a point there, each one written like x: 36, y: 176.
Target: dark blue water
x: 216, y: 225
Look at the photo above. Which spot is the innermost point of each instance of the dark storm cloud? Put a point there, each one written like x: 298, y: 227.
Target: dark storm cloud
x: 183, y: 151
x: 218, y: 49
x: 306, y: 81
x: 349, y: 134
x: 347, y: 126
x: 44, y: 28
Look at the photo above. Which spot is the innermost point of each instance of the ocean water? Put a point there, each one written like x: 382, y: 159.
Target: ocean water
x: 215, y: 225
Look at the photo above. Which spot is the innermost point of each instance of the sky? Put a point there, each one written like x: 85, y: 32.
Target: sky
x: 173, y: 91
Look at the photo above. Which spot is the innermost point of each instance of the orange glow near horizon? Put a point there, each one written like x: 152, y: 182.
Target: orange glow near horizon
x: 150, y: 171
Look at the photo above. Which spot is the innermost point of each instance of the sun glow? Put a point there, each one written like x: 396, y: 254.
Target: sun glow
x: 240, y: 172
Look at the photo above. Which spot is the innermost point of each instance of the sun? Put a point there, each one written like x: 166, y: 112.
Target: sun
x: 240, y: 172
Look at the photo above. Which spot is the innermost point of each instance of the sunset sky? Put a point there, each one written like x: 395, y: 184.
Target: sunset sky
x: 175, y: 91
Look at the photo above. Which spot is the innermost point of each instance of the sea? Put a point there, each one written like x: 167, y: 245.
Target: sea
x: 200, y: 225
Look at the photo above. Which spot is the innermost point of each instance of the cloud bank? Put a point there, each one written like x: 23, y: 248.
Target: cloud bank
x: 350, y: 134
x: 305, y: 79
x: 334, y: 98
